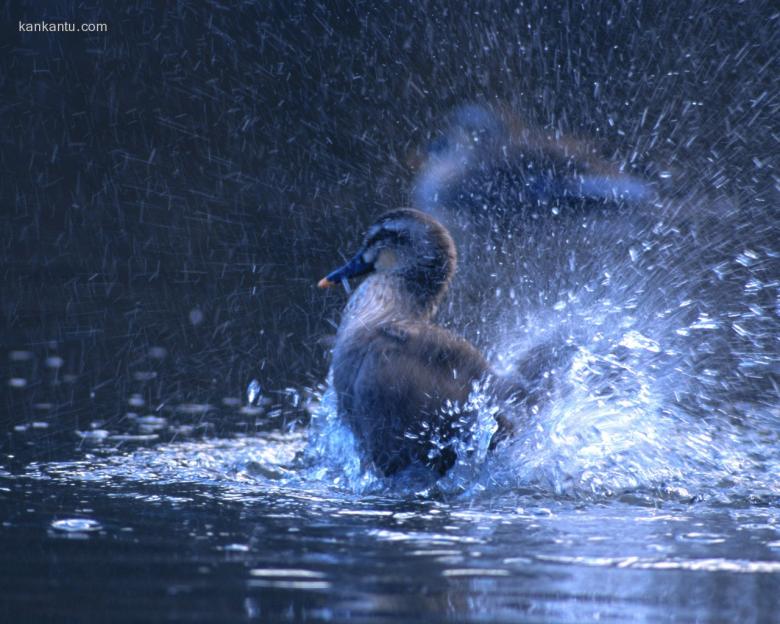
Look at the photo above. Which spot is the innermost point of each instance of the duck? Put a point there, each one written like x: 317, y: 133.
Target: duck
x: 402, y: 381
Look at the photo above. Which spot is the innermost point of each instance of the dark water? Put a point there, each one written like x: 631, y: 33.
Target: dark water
x: 173, y: 189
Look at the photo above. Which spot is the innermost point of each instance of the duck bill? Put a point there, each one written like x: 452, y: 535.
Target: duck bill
x: 355, y: 267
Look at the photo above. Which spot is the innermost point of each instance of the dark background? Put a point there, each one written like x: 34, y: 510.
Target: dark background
x: 182, y: 181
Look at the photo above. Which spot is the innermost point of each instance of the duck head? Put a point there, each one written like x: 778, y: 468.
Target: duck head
x: 407, y: 249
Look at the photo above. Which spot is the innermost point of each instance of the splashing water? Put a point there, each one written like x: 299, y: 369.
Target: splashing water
x: 670, y: 385
x: 652, y: 382
x: 632, y: 408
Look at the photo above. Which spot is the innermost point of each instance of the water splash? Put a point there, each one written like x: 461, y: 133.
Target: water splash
x: 672, y: 386
x: 653, y: 340
x: 611, y: 428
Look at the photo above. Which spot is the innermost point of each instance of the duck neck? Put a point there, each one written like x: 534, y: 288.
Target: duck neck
x: 383, y: 299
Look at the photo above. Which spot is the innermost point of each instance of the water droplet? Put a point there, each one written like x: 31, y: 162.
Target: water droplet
x: 158, y: 353
x: 253, y: 391
x: 747, y: 258
x: 152, y: 422
x: 136, y: 400
x: 196, y: 316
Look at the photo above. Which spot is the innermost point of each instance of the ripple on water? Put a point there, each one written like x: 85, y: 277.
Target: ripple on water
x: 289, y: 578
x: 641, y: 563
x: 76, y: 525
x: 702, y: 538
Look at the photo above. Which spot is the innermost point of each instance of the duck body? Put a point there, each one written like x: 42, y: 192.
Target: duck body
x: 394, y: 379
x: 402, y: 381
